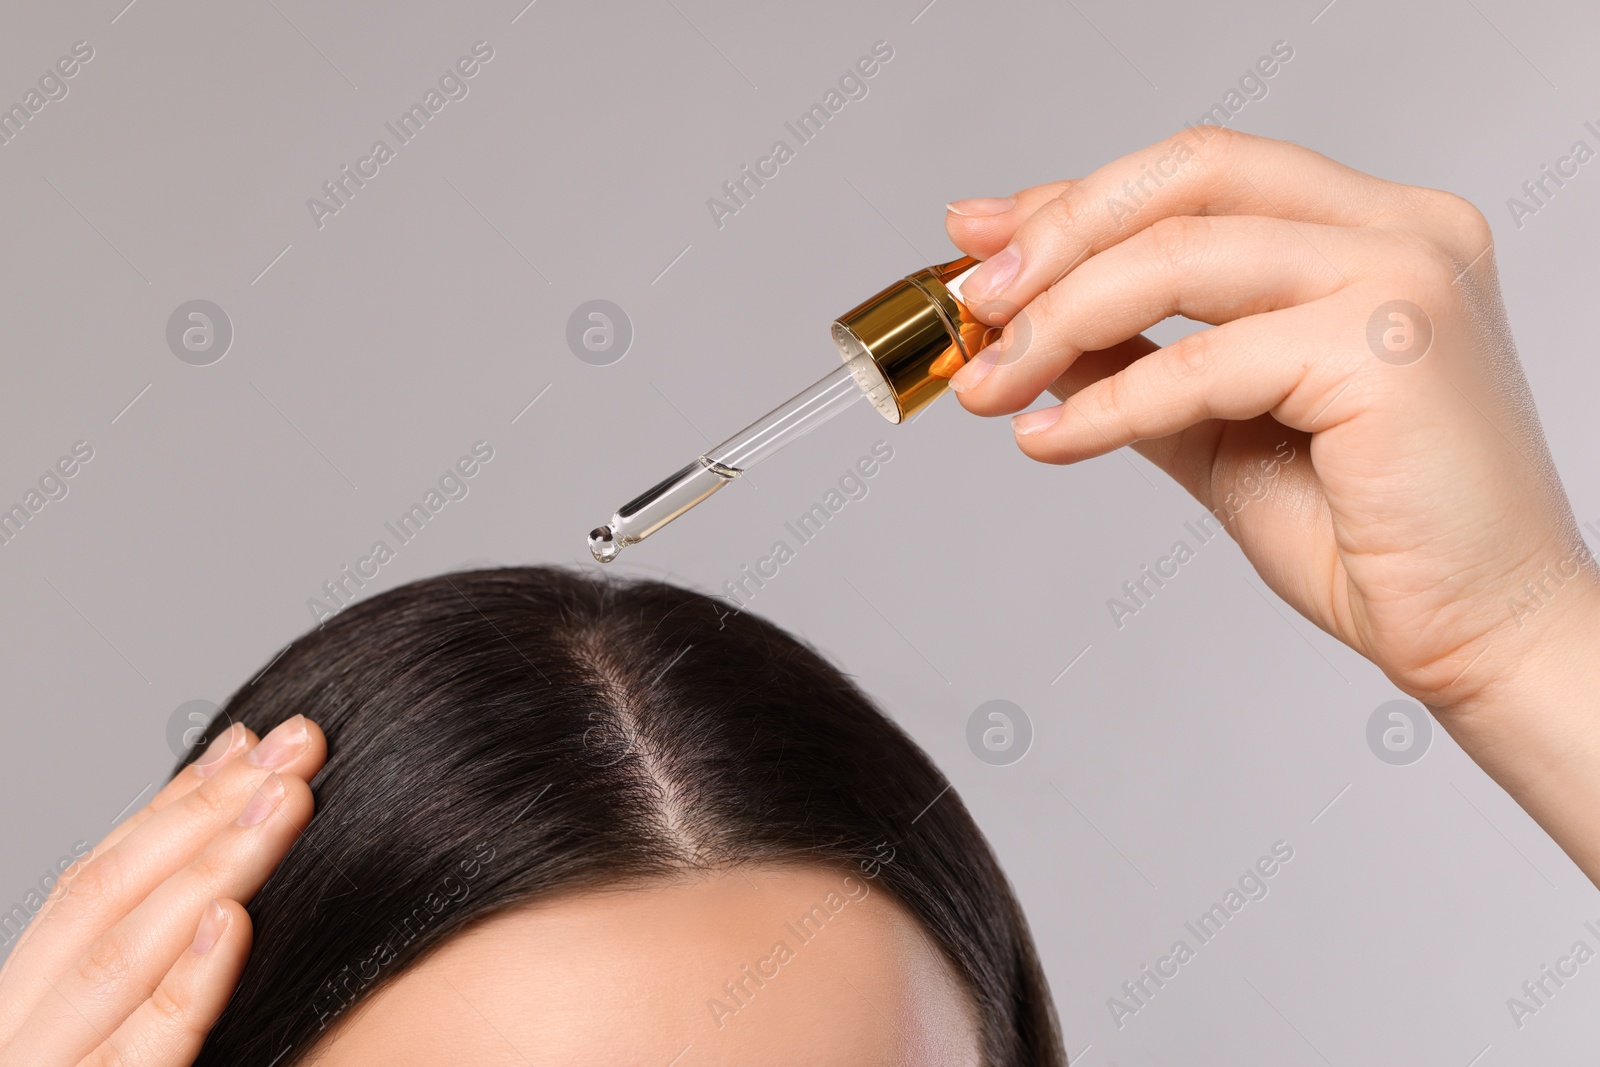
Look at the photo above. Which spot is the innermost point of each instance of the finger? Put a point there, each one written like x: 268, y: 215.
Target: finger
x: 231, y: 743
x: 1239, y: 370
x: 1207, y: 268
x: 237, y: 740
x: 1202, y: 171
x: 168, y: 1029
x: 116, y: 880
x: 1100, y: 363
x: 1257, y: 484
x: 1254, y: 477
x: 982, y: 226
x: 120, y: 969
x: 222, y: 748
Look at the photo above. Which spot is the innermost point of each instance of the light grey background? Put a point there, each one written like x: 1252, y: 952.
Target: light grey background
x: 370, y: 353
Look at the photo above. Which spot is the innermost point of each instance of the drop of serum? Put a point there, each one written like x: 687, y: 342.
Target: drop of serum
x: 602, y: 545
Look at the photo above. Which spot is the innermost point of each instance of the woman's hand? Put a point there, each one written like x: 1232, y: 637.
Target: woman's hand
x: 1357, y: 326
x: 134, y: 955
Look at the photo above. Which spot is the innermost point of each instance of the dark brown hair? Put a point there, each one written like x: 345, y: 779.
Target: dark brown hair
x: 534, y: 729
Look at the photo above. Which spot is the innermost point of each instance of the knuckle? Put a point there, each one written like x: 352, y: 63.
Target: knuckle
x: 1178, y: 238
x: 105, y: 963
x: 107, y: 1055
x: 1450, y: 228
x: 1462, y: 217
x: 1021, y: 338
x: 1064, y: 215
x: 71, y: 875
x: 1177, y: 141
x: 209, y: 869
x: 1111, y: 396
x: 1211, y: 133
x: 1218, y: 145
x: 100, y: 882
x: 209, y: 802
x: 174, y: 1011
x: 1190, y: 359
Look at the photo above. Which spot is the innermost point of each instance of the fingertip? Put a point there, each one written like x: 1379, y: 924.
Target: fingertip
x: 300, y: 746
x: 230, y: 744
x: 981, y: 207
x: 1029, y: 423
x: 316, y: 752
x: 978, y: 400
x: 1042, y: 448
x: 239, y: 931
x: 297, y: 804
x: 222, y: 938
x: 214, y: 923
x: 171, y: 1024
x: 979, y: 237
x: 1057, y: 435
x: 980, y: 227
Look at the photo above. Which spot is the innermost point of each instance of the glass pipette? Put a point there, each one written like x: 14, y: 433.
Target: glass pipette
x: 900, y: 348
x: 715, y: 468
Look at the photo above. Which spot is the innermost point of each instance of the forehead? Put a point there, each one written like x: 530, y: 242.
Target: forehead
x: 773, y: 965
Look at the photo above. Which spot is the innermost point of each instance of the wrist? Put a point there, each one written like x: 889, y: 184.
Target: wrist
x: 1534, y: 666
x: 1535, y: 728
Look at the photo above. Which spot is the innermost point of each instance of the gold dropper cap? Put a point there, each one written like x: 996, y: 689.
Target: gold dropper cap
x: 917, y: 333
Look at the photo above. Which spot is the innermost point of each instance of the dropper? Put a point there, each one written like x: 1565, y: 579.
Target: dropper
x: 899, y: 348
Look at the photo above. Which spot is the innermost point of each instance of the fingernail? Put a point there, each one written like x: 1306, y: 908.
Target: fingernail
x: 971, y: 373
x: 283, y: 744
x: 983, y: 205
x: 991, y: 279
x: 265, y: 801
x: 213, y: 924
x: 1034, y: 421
x: 218, y: 751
